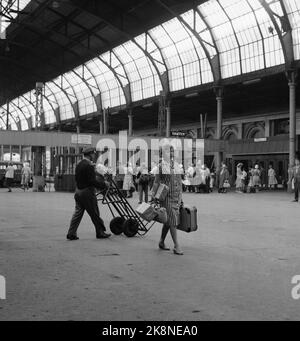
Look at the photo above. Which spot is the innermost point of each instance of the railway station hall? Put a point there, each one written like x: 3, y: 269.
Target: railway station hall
x: 149, y: 160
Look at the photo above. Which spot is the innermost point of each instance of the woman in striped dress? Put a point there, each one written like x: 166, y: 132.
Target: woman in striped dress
x: 169, y: 173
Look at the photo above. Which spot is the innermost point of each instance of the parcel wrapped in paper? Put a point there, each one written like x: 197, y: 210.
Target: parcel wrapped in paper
x: 146, y: 211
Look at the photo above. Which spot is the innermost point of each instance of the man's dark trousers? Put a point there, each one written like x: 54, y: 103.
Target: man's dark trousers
x: 86, y: 199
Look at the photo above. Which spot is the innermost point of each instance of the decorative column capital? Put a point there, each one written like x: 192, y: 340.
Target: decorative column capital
x: 292, y: 76
x: 219, y: 92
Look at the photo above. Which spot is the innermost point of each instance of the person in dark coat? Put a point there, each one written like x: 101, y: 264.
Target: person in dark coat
x: 223, y: 177
x: 85, y: 197
x: 296, y: 178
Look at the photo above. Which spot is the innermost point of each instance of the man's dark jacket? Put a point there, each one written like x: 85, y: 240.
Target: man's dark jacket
x: 85, y: 176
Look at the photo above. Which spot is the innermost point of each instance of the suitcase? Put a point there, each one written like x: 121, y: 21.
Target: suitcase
x: 188, y: 219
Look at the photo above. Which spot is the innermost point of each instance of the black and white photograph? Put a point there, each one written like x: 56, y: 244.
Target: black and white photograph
x: 149, y: 163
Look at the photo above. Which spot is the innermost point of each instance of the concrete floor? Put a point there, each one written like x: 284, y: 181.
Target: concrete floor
x: 237, y: 266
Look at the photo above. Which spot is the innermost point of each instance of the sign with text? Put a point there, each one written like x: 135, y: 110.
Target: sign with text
x: 81, y: 139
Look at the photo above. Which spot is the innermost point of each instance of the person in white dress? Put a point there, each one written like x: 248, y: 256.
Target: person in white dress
x: 272, y: 181
x: 128, y: 180
x: 239, y: 174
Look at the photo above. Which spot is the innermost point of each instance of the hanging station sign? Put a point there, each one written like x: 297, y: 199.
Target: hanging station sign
x: 81, y: 139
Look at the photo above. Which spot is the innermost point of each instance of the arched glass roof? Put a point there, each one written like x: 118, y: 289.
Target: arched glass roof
x: 217, y: 40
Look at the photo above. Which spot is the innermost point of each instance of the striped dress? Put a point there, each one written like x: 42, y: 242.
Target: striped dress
x: 170, y: 176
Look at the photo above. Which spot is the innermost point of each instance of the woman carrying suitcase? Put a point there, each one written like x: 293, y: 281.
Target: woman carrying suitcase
x: 169, y: 174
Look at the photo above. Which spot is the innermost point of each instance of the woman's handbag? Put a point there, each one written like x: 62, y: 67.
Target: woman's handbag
x: 226, y: 184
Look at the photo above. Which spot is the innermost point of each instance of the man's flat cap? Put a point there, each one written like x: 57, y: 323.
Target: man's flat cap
x: 89, y: 150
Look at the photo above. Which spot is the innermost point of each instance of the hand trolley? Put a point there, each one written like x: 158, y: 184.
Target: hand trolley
x: 125, y: 218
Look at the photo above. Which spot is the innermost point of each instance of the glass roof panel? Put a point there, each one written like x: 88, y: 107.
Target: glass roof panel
x: 139, y: 69
x: 83, y: 94
x: 111, y: 91
x: 293, y: 10
x: 66, y: 110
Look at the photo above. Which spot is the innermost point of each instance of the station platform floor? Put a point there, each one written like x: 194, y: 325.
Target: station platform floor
x: 238, y: 265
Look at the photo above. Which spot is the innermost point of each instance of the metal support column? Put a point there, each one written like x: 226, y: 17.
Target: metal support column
x: 78, y: 127
x: 219, y: 98
x: 168, y: 119
x: 101, y: 123
x: 105, y: 123
x: 7, y: 115
x: 130, y: 123
x: 292, y: 87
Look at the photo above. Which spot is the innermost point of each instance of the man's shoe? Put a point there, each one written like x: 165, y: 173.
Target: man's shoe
x: 103, y: 235
x: 295, y: 200
x: 72, y: 237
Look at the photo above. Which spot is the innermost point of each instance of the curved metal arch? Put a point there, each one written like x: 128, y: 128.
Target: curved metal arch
x: 66, y: 94
x: 86, y: 83
x: 215, y: 74
x: 148, y: 55
x: 71, y: 86
x: 167, y: 81
x: 235, y: 35
x: 18, y: 111
x: 17, y: 106
x: 3, y: 121
x: 260, y: 32
x: 12, y: 118
x: 57, y: 102
x: 288, y: 51
x: 24, y: 98
x: 128, y: 100
x: 124, y: 68
x: 213, y: 38
x: 89, y: 69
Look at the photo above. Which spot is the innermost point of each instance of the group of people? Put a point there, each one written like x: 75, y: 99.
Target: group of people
x: 25, y: 176
x: 255, y: 178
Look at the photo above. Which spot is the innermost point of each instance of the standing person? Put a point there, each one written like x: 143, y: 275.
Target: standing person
x: 244, y: 180
x: 239, y: 174
x: 212, y: 180
x: 207, y: 178
x: 223, y: 177
x: 85, y: 197
x: 143, y: 182
x: 9, y: 176
x: 128, y: 180
x: 153, y: 171
x: 190, y: 175
x: 272, y: 181
x: 169, y: 174
x: 263, y: 176
x: 296, y: 177
x: 256, y: 178
x: 25, y: 173
x: 250, y: 183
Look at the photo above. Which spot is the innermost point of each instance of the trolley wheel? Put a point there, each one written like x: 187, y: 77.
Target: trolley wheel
x: 116, y: 225
x: 130, y: 227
